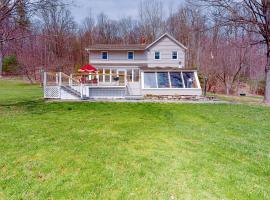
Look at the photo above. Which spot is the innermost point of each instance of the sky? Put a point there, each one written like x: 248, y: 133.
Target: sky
x: 115, y: 9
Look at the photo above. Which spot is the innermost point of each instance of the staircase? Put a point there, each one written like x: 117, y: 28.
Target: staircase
x: 70, y: 90
x: 133, y: 91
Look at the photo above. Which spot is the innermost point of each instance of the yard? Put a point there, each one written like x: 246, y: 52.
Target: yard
x: 130, y: 150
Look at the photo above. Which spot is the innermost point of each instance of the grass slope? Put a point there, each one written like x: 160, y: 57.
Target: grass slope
x: 131, y: 151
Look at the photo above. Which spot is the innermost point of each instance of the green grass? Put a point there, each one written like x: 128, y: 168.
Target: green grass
x: 253, y: 100
x: 131, y: 151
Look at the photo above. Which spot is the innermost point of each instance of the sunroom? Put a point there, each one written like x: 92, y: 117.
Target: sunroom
x: 170, y: 82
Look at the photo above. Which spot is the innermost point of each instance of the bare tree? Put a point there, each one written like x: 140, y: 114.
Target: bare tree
x: 151, y: 14
x: 253, y: 16
x: 15, y: 15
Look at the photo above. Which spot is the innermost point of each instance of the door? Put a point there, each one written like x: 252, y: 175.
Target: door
x: 122, y: 76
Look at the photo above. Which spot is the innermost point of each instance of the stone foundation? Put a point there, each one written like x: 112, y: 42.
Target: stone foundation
x: 179, y: 98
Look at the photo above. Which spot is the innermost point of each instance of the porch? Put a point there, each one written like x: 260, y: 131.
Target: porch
x: 58, y: 85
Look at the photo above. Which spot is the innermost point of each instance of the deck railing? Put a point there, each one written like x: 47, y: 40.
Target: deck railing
x: 55, y: 81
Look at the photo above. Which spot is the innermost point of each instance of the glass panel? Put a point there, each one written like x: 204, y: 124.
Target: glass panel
x: 157, y: 55
x: 130, y: 55
x: 129, y: 75
x: 136, y: 75
x: 107, y: 75
x: 150, y: 80
x: 176, y: 80
x: 174, y: 55
x: 163, y: 80
x: 121, y: 75
x: 104, y: 55
x: 189, y: 79
x: 100, y: 76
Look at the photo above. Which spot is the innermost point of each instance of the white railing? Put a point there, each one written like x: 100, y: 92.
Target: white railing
x: 53, y: 82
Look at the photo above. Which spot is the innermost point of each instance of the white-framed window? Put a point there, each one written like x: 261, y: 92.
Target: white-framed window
x: 104, y: 55
x: 150, y: 80
x: 157, y: 55
x: 174, y: 55
x: 161, y: 80
x: 130, y: 55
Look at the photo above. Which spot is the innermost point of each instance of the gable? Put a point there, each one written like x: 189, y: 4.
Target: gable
x: 169, y: 37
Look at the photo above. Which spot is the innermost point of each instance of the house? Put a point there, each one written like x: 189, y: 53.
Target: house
x: 137, y: 70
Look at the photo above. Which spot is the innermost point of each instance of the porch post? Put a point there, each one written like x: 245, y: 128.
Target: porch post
x: 44, y: 83
x: 60, y: 78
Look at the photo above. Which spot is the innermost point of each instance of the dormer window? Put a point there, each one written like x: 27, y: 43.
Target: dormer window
x: 130, y: 55
x: 174, y: 55
x: 104, y: 55
x: 157, y: 55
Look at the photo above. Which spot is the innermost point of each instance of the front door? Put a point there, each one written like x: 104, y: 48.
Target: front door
x: 122, y: 76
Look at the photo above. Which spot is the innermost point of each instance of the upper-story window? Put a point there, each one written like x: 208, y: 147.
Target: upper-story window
x: 130, y: 55
x: 174, y: 55
x: 157, y: 55
x: 104, y: 55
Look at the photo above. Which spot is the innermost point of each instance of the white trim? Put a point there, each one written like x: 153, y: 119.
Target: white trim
x: 170, y: 37
x: 183, y: 81
x: 171, y: 88
x: 197, y: 80
x: 133, y: 55
x: 102, y: 55
x: 169, y: 78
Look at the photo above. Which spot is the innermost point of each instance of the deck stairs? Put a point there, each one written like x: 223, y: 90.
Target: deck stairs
x: 133, y: 91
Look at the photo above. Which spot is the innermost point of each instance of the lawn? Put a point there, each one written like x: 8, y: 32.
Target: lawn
x: 130, y: 150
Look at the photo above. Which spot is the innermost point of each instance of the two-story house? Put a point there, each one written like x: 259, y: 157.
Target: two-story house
x: 129, y: 71
x: 155, y: 69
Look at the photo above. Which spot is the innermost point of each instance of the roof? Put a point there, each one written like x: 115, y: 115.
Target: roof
x: 133, y: 47
x: 169, y: 36
x: 117, y: 47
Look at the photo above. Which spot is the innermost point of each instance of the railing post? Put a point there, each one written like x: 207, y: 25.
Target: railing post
x: 44, y: 79
x: 44, y: 83
x: 60, y: 78
x: 81, y: 88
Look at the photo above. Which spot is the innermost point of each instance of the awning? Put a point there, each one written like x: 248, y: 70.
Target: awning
x: 87, y: 68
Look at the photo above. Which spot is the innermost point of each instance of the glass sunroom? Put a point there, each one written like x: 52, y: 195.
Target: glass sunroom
x: 170, y: 82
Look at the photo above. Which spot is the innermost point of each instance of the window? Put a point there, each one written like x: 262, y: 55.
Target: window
x: 169, y: 80
x: 150, y: 80
x: 157, y: 55
x: 129, y: 75
x: 163, y: 80
x: 174, y: 55
x: 176, y: 80
x: 130, y: 55
x: 136, y: 75
x: 107, y: 75
x: 189, y: 80
x: 104, y: 55
x: 100, y: 75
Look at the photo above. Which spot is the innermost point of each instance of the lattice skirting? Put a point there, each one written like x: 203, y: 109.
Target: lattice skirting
x: 52, y: 92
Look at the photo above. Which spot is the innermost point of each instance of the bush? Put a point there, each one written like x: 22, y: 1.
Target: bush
x: 10, y: 64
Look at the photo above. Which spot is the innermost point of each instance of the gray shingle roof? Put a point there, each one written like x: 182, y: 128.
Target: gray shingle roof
x: 117, y: 47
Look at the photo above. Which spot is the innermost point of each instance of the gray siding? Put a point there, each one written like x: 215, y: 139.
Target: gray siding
x: 166, y: 46
x: 117, y: 56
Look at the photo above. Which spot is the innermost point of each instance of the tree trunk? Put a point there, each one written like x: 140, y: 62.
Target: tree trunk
x: 267, y: 79
x: 267, y: 68
x: 1, y: 63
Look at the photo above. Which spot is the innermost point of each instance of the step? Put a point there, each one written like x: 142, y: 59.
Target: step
x: 134, y: 97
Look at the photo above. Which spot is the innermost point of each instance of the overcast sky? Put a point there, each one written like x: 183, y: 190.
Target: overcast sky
x: 115, y: 9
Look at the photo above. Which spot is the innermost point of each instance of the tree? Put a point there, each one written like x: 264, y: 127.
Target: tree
x: 14, y: 18
x: 253, y: 16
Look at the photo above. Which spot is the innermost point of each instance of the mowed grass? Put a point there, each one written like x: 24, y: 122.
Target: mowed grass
x: 131, y: 150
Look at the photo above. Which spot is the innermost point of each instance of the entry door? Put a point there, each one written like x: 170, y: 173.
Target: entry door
x: 122, y: 73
